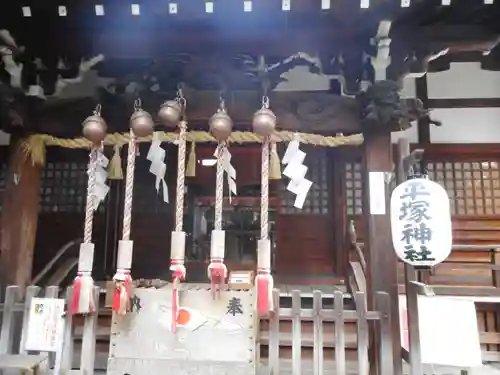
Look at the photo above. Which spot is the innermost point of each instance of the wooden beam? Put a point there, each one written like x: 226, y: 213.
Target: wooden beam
x: 318, y: 112
x: 19, y: 218
x: 464, y: 103
x: 405, y: 160
x: 380, y: 256
x: 424, y: 131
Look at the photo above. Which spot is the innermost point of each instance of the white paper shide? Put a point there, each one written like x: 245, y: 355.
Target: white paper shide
x: 228, y: 170
x: 296, y: 171
x: 421, y: 222
x: 101, y: 176
x: 156, y: 155
x: 45, y: 325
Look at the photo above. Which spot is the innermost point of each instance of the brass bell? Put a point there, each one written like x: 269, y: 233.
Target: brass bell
x: 94, y: 129
x: 264, y: 122
x: 141, y: 123
x: 220, y: 125
x: 170, y: 113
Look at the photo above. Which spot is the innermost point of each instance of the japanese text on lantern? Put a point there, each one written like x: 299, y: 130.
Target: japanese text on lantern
x: 414, y: 212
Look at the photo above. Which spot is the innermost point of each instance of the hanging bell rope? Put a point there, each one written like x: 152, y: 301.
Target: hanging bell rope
x: 172, y: 113
x: 141, y: 123
x: 220, y: 125
x: 264, y: 124
x: 94, y: 129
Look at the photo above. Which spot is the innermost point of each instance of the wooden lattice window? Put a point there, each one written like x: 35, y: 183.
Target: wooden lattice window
x: 64, y: 187
x: 354, y: 188
x: 318, y: 198
x: 473, y: 187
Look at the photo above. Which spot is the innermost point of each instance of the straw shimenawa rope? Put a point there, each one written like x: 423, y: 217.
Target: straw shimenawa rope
x: 35, y: 145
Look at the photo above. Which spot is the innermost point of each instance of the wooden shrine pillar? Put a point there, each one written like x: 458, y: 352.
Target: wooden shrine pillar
x: 339, y: 212
x: 19, y: 217
x: 381, y: 259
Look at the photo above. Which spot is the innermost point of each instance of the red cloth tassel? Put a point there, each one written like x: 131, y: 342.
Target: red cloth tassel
x: 83, y: 295
x: 77, y: 285
x: 264, y: 293
x: 217, y: 273
x: 178, y: 273
x: 175, y: 304
x: 121, y: 296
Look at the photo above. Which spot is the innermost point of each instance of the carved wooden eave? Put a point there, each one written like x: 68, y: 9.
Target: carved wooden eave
x: 316, y: 112
x: 339, y: 49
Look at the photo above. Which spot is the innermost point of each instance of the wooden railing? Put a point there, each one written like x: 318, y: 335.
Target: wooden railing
x: 356, y: 270
x: 60, y: 273
x: 329, y: 322
x: 335, y: 337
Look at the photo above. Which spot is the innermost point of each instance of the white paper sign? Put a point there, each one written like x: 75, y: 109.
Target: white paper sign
x: 44, y: 325
x: 377, y: 193
x: 449, y: 334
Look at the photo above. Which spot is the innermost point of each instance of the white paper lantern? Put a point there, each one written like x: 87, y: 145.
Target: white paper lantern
x: 421, y: 222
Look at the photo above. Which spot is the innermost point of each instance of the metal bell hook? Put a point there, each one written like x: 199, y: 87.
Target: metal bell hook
x: 265, y: 101
x: 137, y: 104
x: 97, y: 110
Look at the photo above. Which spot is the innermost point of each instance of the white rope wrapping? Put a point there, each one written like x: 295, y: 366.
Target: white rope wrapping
x: 264, y: 255
x: 217, y: 245
x: 178, y: 246
x: 125, y: 253
x: 86, y: 258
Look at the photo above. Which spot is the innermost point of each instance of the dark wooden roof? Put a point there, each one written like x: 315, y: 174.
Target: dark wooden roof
x: 267, y: 29
x: 205, y: 50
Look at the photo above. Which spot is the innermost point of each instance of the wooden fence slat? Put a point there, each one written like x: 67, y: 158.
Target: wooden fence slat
x: 12, y: 296
x: 52, y: 292
x: 413, y: 328
x: 362, y: 328
x: 383, y: 304
x: 338, y: 306
x: 274, y: 335
x: 89, y: 339
x: 31, y: 291
x: 296, y: 333
x: 318, y: 332
x: 67, y: 354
